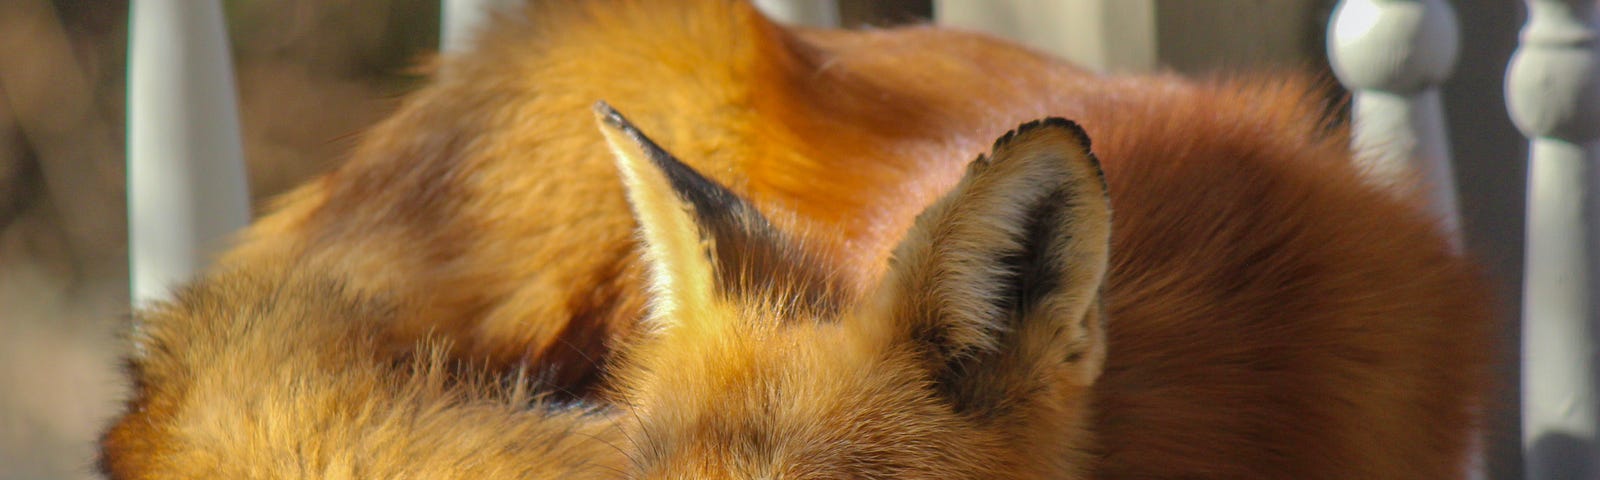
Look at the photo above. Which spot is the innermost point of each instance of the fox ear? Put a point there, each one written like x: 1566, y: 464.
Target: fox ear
x: 703, y: 243
x: 1000, y: 279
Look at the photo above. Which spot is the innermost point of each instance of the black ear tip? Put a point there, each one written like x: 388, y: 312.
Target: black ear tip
x: 1057, y: 125
x: 1070, y: 126
x: 610, y: 116
x: 1047, y: 123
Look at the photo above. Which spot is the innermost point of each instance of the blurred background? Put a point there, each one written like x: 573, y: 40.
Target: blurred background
x: 313, y: 73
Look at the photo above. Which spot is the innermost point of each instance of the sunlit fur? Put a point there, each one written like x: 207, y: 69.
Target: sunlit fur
x: 972, y: 360
x: 282, y: 373
x: 1266, y: 313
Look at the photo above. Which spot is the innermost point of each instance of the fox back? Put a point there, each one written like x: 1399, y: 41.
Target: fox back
x: 796, y: 253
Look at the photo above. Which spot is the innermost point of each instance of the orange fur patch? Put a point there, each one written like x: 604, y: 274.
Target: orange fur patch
x: 1268, y: 313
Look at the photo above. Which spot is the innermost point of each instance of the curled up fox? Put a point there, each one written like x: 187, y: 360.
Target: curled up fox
x: 675, y: 240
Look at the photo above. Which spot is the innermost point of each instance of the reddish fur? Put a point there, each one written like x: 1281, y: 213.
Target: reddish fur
x: 1270, y: 313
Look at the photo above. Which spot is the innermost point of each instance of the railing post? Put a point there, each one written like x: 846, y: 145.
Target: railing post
x: 459, y: 19
x: 186, y: 174
x: 1116, y: 36
x: 810, y: 13
x: 1553, y: 93
x: 1393, y: 55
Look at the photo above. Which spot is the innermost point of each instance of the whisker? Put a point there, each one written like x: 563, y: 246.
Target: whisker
x: 592, y: 362
x: 613, y: 446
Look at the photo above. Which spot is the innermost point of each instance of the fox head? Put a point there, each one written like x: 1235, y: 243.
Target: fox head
x: 973, y: 358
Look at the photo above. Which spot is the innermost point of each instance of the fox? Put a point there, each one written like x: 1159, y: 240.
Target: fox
x: 675, y: 239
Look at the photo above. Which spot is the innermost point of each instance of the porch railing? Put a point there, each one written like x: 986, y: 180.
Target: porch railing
x: 187, y: 191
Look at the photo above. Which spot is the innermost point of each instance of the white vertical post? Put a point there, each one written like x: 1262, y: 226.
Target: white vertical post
x: 1553, y: 93
x: 810, y: 13
x: 459, y: 21
x: 1393, y: 55
x: 186, y: 174
x: 1104, y: 35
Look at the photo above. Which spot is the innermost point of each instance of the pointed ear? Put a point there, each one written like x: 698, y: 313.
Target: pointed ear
x: 1000, y: 279
x: 703, y: 243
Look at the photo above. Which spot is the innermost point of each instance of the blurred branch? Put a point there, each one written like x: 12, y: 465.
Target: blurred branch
x: 51, y: 99
x: 17, y: 167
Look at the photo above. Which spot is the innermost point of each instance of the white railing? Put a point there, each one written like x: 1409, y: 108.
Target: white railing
x: 1105, y: 35
x: 1553, y: 92
x: 186, y: 172
x: 812, y: 13
x: 458, y: 20
x: 187, y: 190
x: 1393, y: 56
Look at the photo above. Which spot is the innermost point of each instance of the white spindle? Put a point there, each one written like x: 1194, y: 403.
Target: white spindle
x: 459, y: 19
x: 1392, y: 55
x: 1103, y: 35
x: 186, y: 174
x: 1553, y: 92
x: 811, y: 13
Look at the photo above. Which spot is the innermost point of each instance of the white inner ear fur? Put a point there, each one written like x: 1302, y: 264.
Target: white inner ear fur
x: 681, y: 279
x: 950, y: 270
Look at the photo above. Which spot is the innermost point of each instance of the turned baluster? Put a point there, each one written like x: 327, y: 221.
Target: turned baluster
x: 810, y: 13
x: 1553, y: 93
x: 186, y: 172
x: 1393, y: 55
